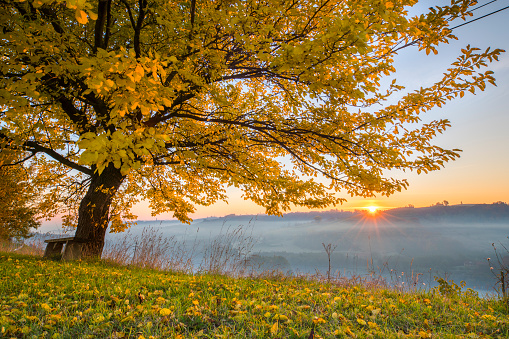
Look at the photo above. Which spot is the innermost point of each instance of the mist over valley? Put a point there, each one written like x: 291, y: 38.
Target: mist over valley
x: 404, y: 245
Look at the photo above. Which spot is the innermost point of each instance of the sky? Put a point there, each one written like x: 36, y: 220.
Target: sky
x: 479, y: 128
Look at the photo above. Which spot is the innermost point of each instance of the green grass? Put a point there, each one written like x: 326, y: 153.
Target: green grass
x: 51, y: 299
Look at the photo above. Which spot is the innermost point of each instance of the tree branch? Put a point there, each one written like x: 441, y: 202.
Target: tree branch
x: 102, y: 12
x: 193, y: 10
x: 137, y: 29
x: 131, y: 18
x: 48, y: 12
x: 19, y: 161
x: 76, y: 116
x: 108, y: 24
x: 34, y: 147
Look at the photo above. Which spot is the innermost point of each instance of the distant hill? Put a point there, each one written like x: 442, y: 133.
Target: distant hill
x: 464, y: 213
x: 468, y: 213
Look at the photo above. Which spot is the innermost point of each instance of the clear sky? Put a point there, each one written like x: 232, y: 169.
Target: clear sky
x: 480, y: 127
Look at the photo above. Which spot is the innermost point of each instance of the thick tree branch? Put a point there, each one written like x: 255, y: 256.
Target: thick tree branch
x: 164, y: 115
x: 137, y: 29
x: 102, y: 13
x: 108, y: 24
x: 76, y: 116
x: 193, y: 10
x: 35, y: 147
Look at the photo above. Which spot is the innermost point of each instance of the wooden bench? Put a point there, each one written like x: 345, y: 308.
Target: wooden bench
x: 72, y: 250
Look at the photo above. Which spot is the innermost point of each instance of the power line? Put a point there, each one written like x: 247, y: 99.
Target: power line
x: 463, y: 24
x: 484, y: 16
x: 486, y: 4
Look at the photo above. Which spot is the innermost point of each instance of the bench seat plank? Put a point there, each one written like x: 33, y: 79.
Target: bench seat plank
x: 63, y: 240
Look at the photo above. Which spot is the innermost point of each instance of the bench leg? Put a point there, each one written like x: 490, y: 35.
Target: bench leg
x: 53, y: 249
x: 72, y: 250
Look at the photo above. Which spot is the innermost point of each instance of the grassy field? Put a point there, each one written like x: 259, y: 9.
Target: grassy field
x: 42, y: 298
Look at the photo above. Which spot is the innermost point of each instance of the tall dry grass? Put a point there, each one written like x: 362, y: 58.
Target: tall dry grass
x: 229, y: 252
x: 226, y: 254
x: 151, y: 249
x: 35, y: 247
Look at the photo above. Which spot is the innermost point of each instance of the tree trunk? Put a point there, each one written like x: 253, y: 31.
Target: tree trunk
x: 93, y: 213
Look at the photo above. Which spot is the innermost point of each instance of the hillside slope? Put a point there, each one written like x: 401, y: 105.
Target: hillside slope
x: 52, y: 299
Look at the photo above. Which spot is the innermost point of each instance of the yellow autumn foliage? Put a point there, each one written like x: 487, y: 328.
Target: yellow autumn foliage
x: 171, y: 102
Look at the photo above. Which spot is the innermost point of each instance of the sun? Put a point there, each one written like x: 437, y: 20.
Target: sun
x: 372, y: 209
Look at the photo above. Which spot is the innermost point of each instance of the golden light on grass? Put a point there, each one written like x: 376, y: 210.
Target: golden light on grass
x: 116, y: 284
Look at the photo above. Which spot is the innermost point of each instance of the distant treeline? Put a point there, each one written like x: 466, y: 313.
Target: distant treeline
x: 467, y: 213
x: 464, y: 213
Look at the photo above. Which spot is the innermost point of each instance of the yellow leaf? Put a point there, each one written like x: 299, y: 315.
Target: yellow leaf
x: 37, y: 3
x: 92, y: 15
x: 319, y: 321
x: 273, y: 329
x: 81, y: 16
x: 349, y: 332
x: 138, y: 73
x: 165, y: 311
x: 145, y: 110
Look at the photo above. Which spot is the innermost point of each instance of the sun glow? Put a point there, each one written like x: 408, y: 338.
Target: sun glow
x: 372, y: 209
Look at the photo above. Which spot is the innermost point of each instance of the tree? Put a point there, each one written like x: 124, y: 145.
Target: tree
x: 172, y: 101
x: 17, y: 200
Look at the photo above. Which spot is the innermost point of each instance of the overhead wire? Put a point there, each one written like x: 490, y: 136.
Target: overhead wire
x: 463, y: 24
x: 486, y: 4
x: 484, y: 16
